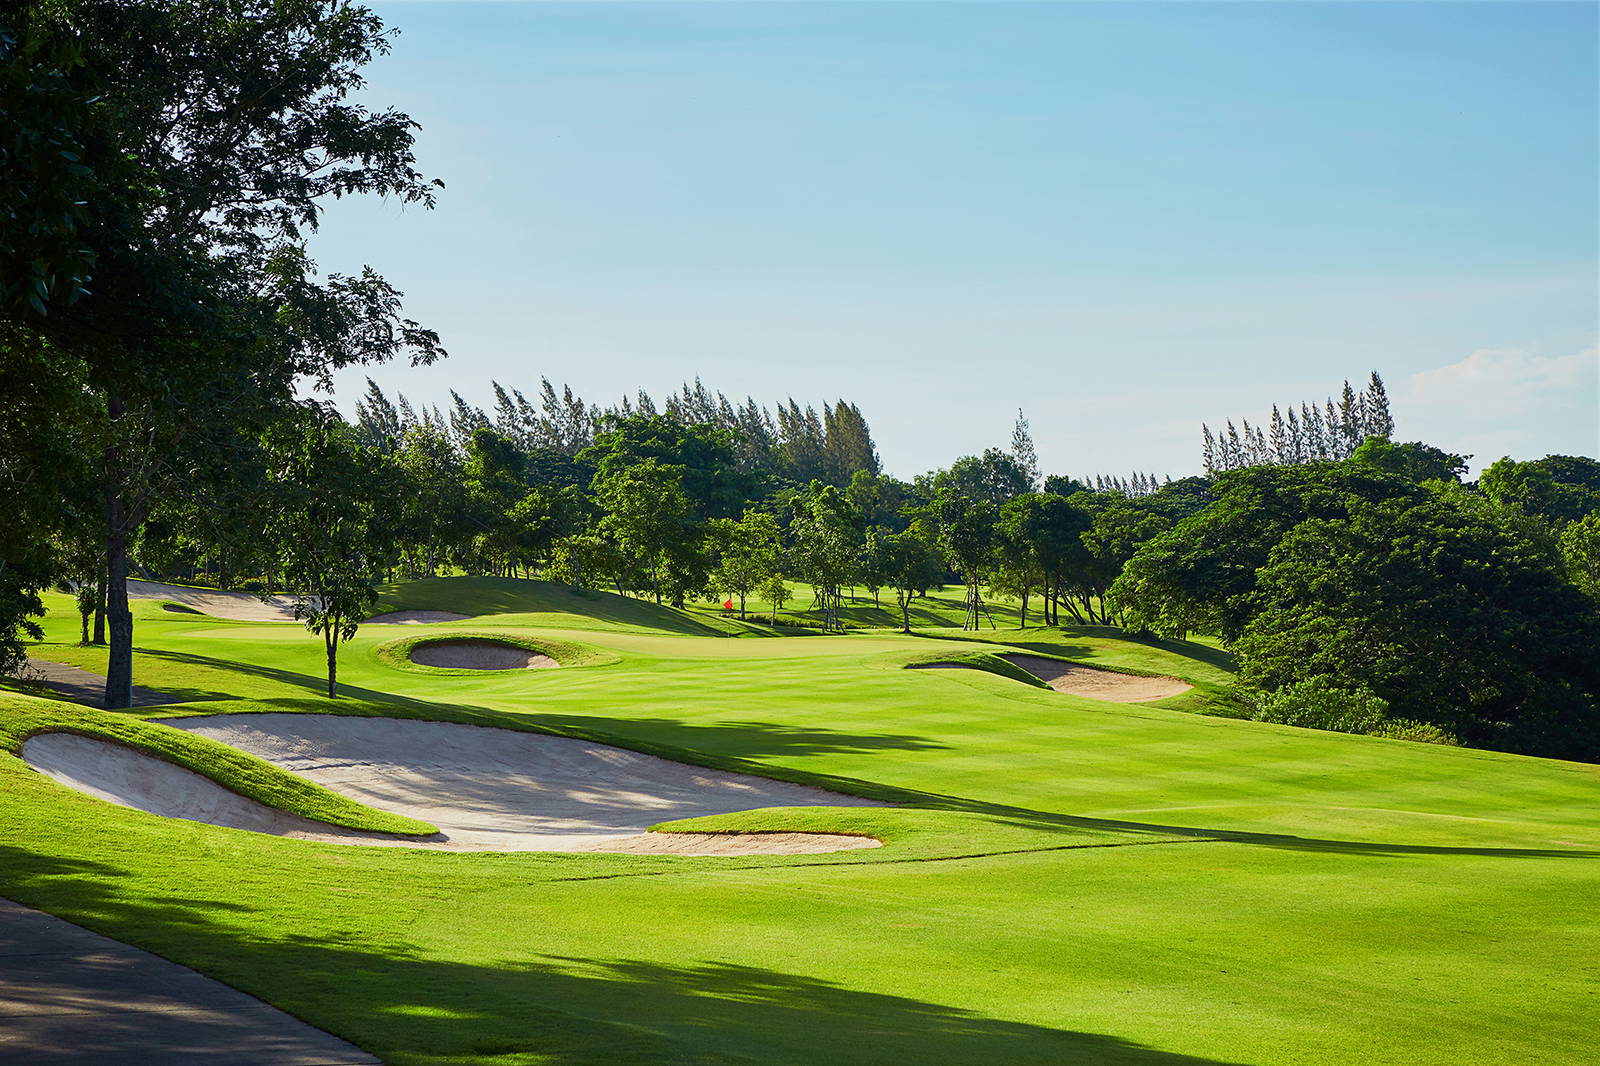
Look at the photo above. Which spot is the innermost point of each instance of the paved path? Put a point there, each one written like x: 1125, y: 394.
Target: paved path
x: 71, y: 996
x: 89, y: 688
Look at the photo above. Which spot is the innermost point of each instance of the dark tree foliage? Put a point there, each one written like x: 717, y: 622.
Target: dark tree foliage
x: 701, y: 455
x: 1451, y: 617
x: 1201, y: 574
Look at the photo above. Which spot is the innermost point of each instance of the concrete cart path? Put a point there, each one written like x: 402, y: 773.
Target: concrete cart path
x: 69, y: 995
x: 89, y: 688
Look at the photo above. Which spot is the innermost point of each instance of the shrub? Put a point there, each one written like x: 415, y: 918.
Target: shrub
x: 1317, y: 703
x: 1411, y: 729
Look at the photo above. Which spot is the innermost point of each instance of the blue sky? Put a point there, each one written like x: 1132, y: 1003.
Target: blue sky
x: 1123, y: 218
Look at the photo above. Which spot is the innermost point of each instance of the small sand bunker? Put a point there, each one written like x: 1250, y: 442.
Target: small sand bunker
x: 1108, y: 685
x: 1090, y: 682
x: 486, y: 789
x: 416, y: 618
x: 479, y: 655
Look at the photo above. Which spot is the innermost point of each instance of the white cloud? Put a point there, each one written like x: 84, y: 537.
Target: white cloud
x: 1500, y: 401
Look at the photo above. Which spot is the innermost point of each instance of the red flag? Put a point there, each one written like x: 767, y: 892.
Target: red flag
x: 727, y: 605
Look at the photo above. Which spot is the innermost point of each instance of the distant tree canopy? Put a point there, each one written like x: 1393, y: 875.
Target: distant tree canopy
x: 1420, y: 594
x: 787, y: 445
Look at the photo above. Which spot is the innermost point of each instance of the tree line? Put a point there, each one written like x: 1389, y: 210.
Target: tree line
x: 1333, y: 430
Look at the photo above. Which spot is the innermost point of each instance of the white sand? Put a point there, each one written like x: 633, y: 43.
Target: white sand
x: 240, y: 606
x: 1096, y: 684
x: 416, y: 618
x: 486, y: 789
x: 479, y: 655
x: 1087, y: 681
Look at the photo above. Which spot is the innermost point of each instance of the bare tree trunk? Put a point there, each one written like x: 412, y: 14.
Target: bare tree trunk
x: 100, y: 606
x: 330, y: 640
x: 119, y: 662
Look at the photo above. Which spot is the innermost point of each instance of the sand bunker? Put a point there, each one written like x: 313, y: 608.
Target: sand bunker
x: 1087, y: 681
x: 416, y: 618
x: 479, y: 655
x: 1098, y: 684
x: 486, y: 789
x: 240, y: 606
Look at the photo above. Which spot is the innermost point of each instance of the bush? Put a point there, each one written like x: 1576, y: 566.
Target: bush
x: 1410, y: 729
x: 1317, y: 703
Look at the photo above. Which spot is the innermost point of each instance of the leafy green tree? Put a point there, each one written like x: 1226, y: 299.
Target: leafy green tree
x: 1120, y: 528
x: 748, y: 551
x: 701, y: 454
x: 912, y: 566
x: 1557, y: 488
x: 825, y: 531
x: 1414, y: 461
x: 880, y: 499
x: 873, y: 561
x: 967, y: 536
x: 1580, y: 549
x: 648, y: 513
x: 993, y: 478
x: 330, y: 535
x: 49, y: 422
x: 1451, y: 617
x: 775, y: 590
x: 432, y: 511
x: 218, y: 134
x: 1201, y: 575
x: 45, y: 188
x: 1041, y: 542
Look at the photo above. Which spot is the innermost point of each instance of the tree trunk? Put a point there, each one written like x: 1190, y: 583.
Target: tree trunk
x: 331, y: 641
x: 1023, y: 622
x: 119, y: 662
x: 100, y: 607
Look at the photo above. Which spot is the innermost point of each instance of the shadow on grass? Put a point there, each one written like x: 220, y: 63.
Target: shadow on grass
x: 502, y: 595
x: 316, y: 685
x: 738, y: 740
x: 389, y: 997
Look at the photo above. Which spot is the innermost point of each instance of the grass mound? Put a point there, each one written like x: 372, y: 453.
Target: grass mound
x: 548, y: 603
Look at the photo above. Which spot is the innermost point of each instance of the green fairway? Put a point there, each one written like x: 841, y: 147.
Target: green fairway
x: 1063, y: 880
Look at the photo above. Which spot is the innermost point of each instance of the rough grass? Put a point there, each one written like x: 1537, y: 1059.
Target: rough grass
x: 1064, y: 881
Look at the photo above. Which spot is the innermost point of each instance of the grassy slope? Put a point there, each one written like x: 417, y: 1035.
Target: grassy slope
x: 1274, y: 895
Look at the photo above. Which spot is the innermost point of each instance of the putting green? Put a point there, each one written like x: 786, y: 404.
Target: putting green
x: 1064, y: 880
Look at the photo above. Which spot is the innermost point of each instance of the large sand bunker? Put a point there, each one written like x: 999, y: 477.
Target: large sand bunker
x: 486, y: 789
x: 479, y: 654
x: 1090, y: 682
x: 240, y: 606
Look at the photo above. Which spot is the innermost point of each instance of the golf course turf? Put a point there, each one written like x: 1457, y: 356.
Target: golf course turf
x: 1063, y: 880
